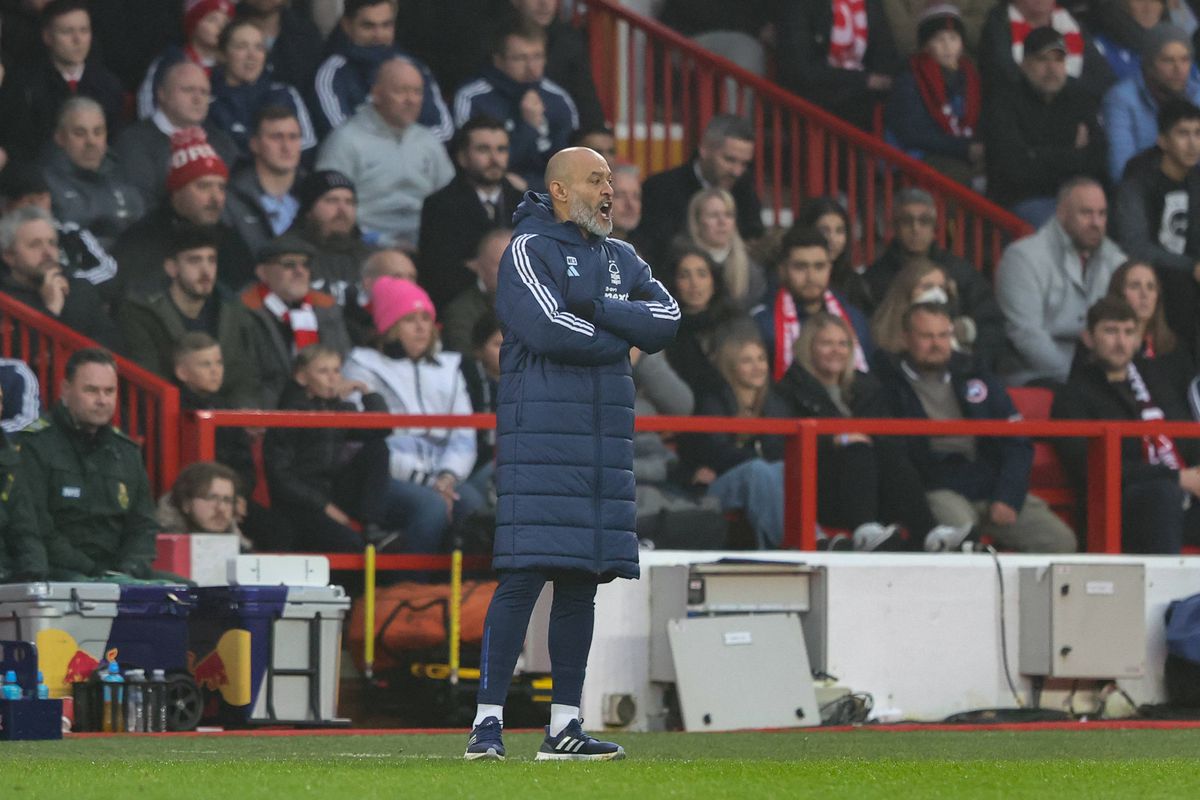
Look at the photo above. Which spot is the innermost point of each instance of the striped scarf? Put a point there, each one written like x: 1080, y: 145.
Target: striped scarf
x: 787, y: 328
x: 848, y: 36
x: 1062, y: 21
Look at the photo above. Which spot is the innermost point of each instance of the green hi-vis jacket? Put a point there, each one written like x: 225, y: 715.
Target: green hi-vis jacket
x: 22, y: 554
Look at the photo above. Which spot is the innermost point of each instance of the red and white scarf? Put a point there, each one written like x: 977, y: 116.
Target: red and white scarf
x: 931, y: 85
x: 302, y: 321
x: 1159, y: 449
x: 848, y: 36
x: 1062, y: 21
x: 787, y: 328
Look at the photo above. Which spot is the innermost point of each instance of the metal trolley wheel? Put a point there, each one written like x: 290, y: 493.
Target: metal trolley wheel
x: 185, y: 703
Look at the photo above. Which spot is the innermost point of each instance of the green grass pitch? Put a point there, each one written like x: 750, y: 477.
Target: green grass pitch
x: 859, y: 764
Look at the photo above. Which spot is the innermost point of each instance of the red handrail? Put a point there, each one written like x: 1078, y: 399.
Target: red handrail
x: 660, y: 89
x: 149, y: 411
x: 800, y: 460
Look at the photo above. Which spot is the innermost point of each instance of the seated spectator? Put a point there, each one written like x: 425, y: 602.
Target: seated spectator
x: 712, y: 225
x: 196, y: 196
x: 863, y: 481
x: 144, y: 149
x: 202, y: 500
x: 414, y: 375
x: 840, y: 55
x: 20, y: 395
x: 22, y: 553
x: 744, y: 472
x: 289, y: 315
x: 1156, y: 481
x: 242, y: 89
x: 567, y: 61
x: 36, y: 89
x: 804, y: 270
x: 1040, y: 131
x: 262, y: 201
x: 1120, y: 30
x: 322, y: 485
x: 31, y: 273
x: 1130, y: 109
x: 362, y: 42
x: 1157, y: 217
x: 599, y: 138
x: 482, y: 374
x: 1003, y: 46
x: 394, y: 162
x: 80, y: 253
x: 86, y: 188
x: 706, y: 316
x: 1137, y: 284
x: 627, y: 202
x: 970, y: 482
x: 90, y: 492
x: 921, y: 281
x: 153, y: 324
x: 294, y: 45
x: 538, y: 113
x: 1046, y: 282
x: 476, y: 301
x: 915, y: 225
x: 203, y: 22
x: 905, y: 18
x: 829, y: 218
x: 723, y: 161
x: 455, y: 217
x: 356, y: 301
x: 327, y: 219
x: 935, y: 107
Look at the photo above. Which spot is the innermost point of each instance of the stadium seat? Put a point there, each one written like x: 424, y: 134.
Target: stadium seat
x: 1047, y: 479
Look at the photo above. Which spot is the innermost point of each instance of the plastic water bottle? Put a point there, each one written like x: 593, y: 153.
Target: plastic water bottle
x: 114, y: 696
x: 11, y: 689
x: 157, y: 713
x: 43, y: 691
x: 135, y: 700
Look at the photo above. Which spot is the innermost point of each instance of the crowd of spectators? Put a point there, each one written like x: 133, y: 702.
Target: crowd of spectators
x: 286, y: 220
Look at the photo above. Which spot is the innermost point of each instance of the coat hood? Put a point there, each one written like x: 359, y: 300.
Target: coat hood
x: 535, y: 215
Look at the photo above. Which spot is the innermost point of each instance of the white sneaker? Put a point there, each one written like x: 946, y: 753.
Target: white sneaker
x: 870, y: 535
x: 945, y: 538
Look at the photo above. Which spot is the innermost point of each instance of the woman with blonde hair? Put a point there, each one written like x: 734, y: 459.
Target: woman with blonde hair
x: 712, y: 225
x: 920, y: 281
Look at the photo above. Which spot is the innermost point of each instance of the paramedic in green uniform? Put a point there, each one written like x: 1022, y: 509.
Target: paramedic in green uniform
x: 22, y: 556
x: 89, y: 486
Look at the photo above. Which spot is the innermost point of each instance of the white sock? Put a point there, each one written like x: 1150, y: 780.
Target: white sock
x: 483, y: 711
x: 561, y: 716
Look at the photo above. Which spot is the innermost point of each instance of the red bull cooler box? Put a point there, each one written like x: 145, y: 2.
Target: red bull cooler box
x: 269, y: 655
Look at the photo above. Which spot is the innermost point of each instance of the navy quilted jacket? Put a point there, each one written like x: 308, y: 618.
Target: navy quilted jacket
x: 570, y: 307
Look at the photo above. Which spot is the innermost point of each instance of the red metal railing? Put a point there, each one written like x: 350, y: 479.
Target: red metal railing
x: 660, y: 89
x: 149, y: 407
x: 800, y: 460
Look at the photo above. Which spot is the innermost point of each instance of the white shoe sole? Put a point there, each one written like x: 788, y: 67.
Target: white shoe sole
x: 617, y: 756
x: 490, y: 755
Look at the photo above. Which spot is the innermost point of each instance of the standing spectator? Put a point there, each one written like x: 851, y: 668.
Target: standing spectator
x: 37, y: 88
x: 243, y: 89
x: 328, y: 220
x: 32, y: 274
x: 394, y: 162
x: 538, y: 113
x: 1002, y: 46
x: 143, y: 150
x: 203, y: 22
x: 1046, y: 282
x: 90, y: 493
x: 290, y: 316
x: 828, y: 217
x: 454, y: 218
x: 915, y: 224
x: 969, y: 481
x: 627, y: 201
x: 1159, y: 512
x: 1130, y: 109
x: 1041, y: 131
x: 85, y: 186
x: 804, y: 270
x: 293, y: 42
x: 262, y: 202
x: 362, y: 43
x: 722, y: 161
x: 1121, y: 28
x: 567, y: 60
x: 840, y: 55
x: 474, y: 302
x: 934, y: 109
x: 196, y: 197
x: 707, y: 315
x: 1157, y: 217
x: 154, y: 323
x: 712, y: 224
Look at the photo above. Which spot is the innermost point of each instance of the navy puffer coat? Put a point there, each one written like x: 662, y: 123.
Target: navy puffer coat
x: 570, y: 307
